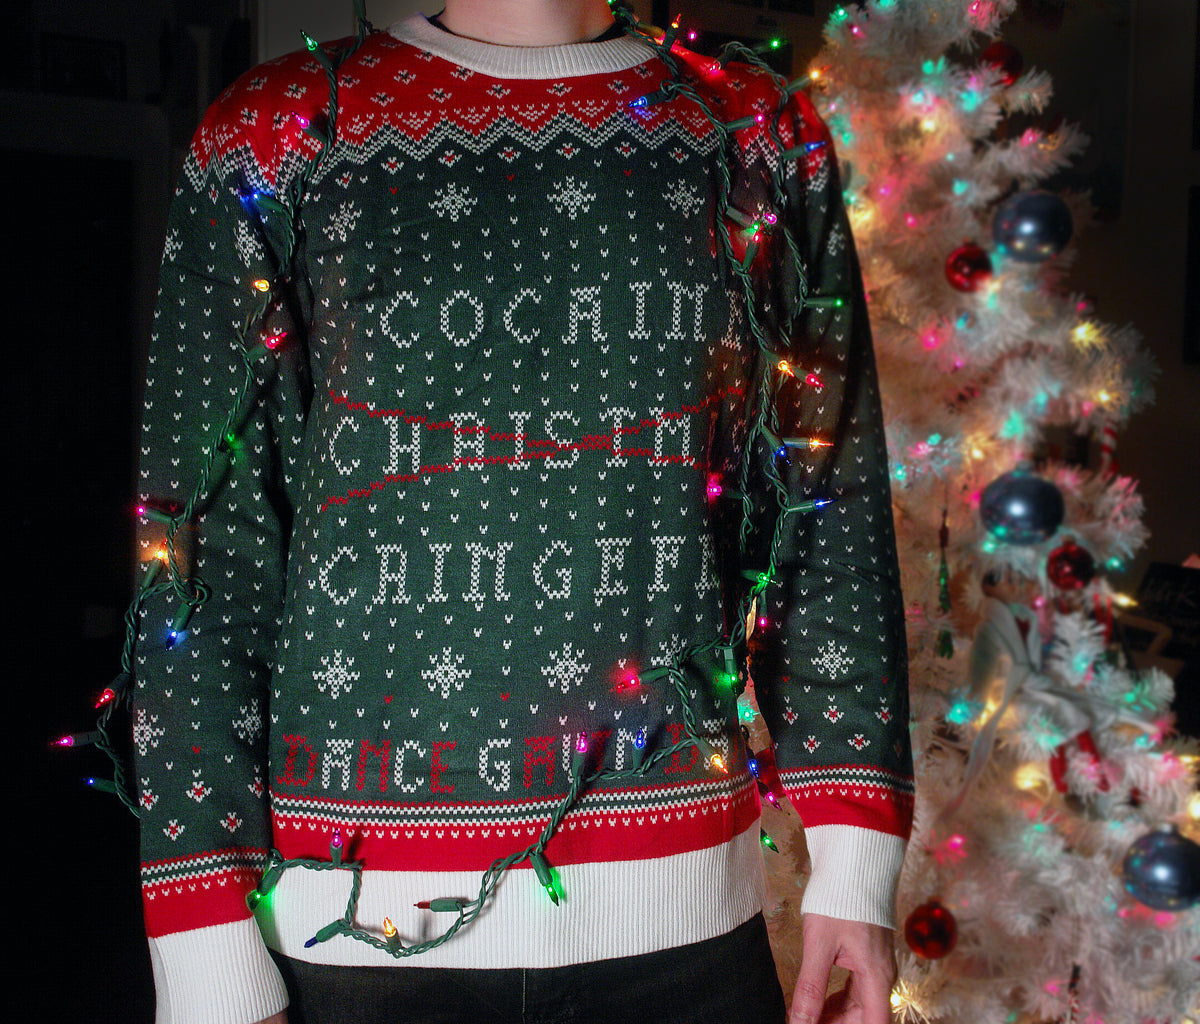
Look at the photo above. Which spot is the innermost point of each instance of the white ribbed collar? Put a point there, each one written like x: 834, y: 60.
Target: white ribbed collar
x: 514, y: 62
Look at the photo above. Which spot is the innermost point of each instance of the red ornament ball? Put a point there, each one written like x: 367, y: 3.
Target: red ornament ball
x: 968, y: 268
x: 931, y: 930
x: 1070, y: 567
x: 1005, y: 58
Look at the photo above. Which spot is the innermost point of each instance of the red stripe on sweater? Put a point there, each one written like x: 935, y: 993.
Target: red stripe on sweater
x: 465, y: 846
x: 865, y: 806
x: 197, y: 902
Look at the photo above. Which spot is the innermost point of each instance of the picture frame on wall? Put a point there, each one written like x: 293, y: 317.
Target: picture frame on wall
x: 79, y: 66
x: 1191, y: 308
x: 1196, y: 89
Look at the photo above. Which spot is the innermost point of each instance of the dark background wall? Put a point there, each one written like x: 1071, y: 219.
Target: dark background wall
x: 98, y: 101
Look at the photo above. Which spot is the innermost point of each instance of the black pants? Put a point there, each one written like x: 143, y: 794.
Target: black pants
x: 727, y: 980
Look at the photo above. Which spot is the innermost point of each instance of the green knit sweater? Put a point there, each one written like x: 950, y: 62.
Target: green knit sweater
x: 510, y: 472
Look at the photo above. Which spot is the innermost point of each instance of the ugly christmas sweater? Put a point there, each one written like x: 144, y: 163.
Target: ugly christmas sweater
x: 486, y: 478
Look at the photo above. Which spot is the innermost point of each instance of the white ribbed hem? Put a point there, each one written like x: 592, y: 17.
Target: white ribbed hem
x: 615, y: 909
x: 569, y: 60
x: 854, y: 873
x: 217, y: 975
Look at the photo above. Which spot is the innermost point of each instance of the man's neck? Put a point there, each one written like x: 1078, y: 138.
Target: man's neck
x: 527, y: 22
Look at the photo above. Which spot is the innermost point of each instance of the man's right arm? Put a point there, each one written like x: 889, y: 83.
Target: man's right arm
x: 219, y: 432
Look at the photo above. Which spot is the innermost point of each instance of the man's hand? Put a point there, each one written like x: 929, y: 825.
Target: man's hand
x: 865, y: 950
x: 278, y: 1018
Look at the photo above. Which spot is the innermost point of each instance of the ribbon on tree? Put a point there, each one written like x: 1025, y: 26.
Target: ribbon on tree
x: 1074, y: 714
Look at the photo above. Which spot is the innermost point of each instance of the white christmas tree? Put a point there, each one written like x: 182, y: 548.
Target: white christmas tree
x: 1052, y: 874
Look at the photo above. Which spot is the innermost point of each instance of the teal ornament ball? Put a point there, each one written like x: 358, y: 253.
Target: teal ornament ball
x: 1030, y: 227
x: 1162, y: 870
x: 1021, y: 508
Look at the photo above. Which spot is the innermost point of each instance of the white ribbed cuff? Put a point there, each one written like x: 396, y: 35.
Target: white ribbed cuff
x: 217, y: 975
x: 854, y: 873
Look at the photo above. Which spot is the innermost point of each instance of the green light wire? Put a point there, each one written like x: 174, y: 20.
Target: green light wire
x: 191, y: 591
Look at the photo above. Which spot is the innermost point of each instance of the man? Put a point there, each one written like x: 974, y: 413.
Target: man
x: 516, y: 422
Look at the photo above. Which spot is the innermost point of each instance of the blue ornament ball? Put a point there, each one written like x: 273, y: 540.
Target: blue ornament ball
x: 1021, y: 508
x: 1162, y: 870
x: 1032, y: 226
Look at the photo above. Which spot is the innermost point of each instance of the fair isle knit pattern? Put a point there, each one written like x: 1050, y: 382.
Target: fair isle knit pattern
x: 476, y: 496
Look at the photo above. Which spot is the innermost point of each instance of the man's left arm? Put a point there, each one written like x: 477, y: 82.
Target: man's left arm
x: 830, y: 671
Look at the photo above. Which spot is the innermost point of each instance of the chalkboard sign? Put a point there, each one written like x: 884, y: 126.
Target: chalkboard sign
x: 1170, y: 594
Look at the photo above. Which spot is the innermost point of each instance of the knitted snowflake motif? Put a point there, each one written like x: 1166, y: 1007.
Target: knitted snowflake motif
x: 337, y: 675
x: 144, y: 733
x: 446, y: 673
x: 565, y: 668
x: 249, y: 725
x: 249, y: 248
x: 833, y: 659
x: 666, y: 650
x: 453, y: 201
x: 683, y: 197
x: 570, y: 198
x: 341, y: 224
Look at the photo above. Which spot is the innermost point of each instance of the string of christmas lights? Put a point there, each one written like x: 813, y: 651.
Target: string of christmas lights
x: 766, y: 451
